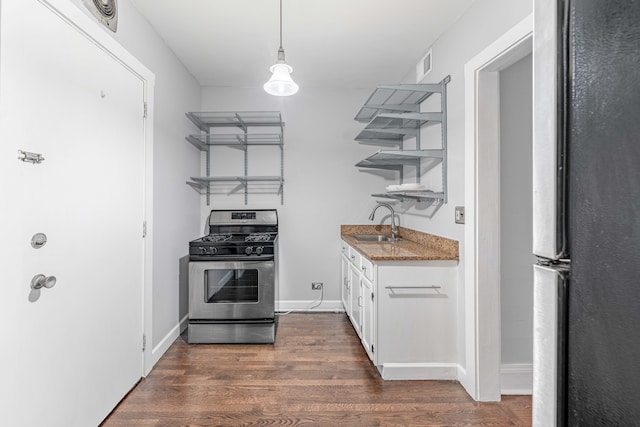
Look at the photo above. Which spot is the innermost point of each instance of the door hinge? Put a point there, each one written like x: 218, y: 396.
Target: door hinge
x: 144, y: 114
x: 144, y: 229
x: 371, y: 296
x: 144, y: 342
x: 372, y: 349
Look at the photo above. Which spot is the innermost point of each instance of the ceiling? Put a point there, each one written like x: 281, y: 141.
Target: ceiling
x: 329, y: 43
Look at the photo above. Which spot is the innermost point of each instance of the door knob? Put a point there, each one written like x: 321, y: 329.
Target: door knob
x: 40, y: 281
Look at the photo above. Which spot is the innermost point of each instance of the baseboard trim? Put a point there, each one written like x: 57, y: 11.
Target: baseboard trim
x: 303, y: 306
x: 158, y: 351
x: 184, y: 323
x: 461, y: 374
x: 419, y: 371
x: 516, y: 379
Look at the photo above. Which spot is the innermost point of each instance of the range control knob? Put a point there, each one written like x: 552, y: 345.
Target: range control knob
x: 202, y: 250
x: 259, y: 250
x: 213, y: 250
x: 248, y: 250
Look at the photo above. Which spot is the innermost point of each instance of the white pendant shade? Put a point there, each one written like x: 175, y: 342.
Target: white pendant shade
x: 281, y: 83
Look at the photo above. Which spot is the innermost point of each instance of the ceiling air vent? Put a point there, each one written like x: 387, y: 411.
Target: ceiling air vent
x: 424, y: 67
x: 106, y: 11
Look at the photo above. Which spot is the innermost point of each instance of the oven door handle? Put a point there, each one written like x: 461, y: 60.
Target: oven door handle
x: 232, y: 258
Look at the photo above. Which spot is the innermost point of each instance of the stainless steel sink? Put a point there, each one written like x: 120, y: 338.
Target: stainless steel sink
x: 374, y: 238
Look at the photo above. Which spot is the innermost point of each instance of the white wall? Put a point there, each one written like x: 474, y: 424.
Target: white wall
x: 322, y: 188
x: 516, y: 259
x: 483, y: 23
x: 176, y: 216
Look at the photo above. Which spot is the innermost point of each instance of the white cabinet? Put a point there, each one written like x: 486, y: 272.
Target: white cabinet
x: 367, y: 268
x: 368, y: 318
x: 351, y: 292
x: 404, y: 313
x: 356, y: 299
x: 345, y: 285
x: 416, y: 320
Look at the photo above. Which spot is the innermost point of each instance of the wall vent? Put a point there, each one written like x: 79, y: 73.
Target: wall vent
x: 106, y: 11
x: 424, y: 66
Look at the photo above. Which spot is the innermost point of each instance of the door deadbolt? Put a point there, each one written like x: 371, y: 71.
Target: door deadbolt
x: 38, y: 240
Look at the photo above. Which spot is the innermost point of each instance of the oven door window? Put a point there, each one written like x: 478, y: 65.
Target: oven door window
x: 231, y: 286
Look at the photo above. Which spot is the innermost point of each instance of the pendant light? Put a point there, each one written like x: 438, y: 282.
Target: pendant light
x: 281, y: 83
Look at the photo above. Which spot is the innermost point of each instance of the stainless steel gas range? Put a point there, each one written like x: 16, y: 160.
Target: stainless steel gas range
x: 233, y: 278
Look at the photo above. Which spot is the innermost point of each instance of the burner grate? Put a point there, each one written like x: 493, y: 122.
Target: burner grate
x: 217, y: 238
x: 258, y: 237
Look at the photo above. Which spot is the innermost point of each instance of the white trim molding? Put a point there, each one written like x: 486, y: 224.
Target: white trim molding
x: 158, y: 351
x: 516, y: 378
x: 334, y: 306
x: 482, y: 230
x: 418, y: 371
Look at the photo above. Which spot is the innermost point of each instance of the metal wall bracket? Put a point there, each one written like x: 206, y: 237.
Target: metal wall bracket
x: 28, y: 157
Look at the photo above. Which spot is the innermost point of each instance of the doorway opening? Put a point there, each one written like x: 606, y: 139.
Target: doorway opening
x: 516, y: 224
x: 483, y: 263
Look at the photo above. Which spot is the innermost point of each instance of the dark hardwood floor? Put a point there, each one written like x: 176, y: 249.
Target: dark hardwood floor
x: 316, y: 374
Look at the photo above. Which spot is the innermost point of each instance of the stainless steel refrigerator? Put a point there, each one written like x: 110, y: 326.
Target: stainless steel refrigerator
x: 586, y: 213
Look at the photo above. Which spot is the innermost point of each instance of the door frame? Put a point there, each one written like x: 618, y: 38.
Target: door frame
x: 482, y: 205
x: 99, y: 36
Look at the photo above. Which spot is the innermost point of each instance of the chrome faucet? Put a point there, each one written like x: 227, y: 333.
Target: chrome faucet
x: 394, y: 229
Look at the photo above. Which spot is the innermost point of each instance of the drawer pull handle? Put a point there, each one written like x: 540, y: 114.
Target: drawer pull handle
x: 434, y: 287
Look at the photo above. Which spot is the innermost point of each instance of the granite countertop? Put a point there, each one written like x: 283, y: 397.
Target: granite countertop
x: 415, y: 246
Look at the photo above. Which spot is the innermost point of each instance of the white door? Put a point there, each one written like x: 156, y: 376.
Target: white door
x: 71, y: 352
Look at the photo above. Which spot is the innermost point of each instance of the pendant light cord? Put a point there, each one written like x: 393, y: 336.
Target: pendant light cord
x: 280, y: 24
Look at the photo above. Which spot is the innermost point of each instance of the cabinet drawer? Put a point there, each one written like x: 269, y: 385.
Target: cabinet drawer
x: 344, y: 248
x: 354, y: 257
x: 435, y: 279
x: 367, y: 268
x: 351, y: 254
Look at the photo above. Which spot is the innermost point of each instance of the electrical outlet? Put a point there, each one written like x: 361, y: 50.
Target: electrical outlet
x: 316, y: 286
x: 459, y: 214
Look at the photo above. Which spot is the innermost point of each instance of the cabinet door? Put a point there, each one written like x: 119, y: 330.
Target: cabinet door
x: 356, y: 299
x: 415, y: 314
x: 344, y: 285
x: 368, y: 317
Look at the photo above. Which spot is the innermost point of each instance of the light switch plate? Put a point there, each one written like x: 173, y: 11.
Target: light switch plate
x: 459, y: 214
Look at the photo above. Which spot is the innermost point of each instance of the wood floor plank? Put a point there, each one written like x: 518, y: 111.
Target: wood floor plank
x: 316, y: 374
